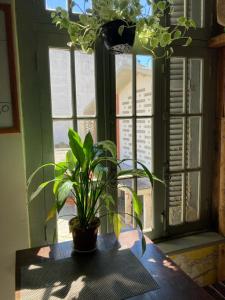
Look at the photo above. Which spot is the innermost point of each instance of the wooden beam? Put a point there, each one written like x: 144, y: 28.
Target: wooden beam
x: 218, y: 41
x: 222, y: 179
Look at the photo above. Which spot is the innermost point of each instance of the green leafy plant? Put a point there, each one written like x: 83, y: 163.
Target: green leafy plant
x: 151, y: 34
x: 89, y: 176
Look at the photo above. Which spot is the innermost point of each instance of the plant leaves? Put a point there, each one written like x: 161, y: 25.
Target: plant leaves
x: 64, y: 191
x: 137, y: 204
x: 143, y: 244
x: 121, y: 30
x: 36, y: 171
x: 71, y: 160
x: 117, y: 224
x: 76, y: 146
x: 109, y: 146
x: 52, y: 212
x: 188, y: 42
x: 40, y: 188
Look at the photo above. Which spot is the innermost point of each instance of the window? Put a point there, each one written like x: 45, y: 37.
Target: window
x: 159, y: 112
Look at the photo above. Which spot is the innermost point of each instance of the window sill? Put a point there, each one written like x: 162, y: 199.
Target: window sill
x: 182, y: 244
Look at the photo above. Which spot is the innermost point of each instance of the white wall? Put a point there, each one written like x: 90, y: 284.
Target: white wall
x: 13, y: 208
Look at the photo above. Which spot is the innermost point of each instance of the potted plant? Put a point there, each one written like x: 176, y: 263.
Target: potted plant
x: 87, y: 178
x: 120, y: 23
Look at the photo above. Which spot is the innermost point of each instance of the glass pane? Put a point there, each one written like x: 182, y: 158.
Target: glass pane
x: 6, y: 115
x: 176, y: 199
x: 177, y: 67
x: 84, y: 126
x: 176, y: 144
x: 61, y: 141
x: 188, y: 8
x: 53, y: 4
x: 194, y: 142
x: 195, y: 11
x: 123, y: 85
x: 144, y: 142
x: 124, y: 141
x: 125, y: 207
x: 194, y: 96
x: 81, y: 6
x: 60, y: 80
x: 85, y: 84
x: 145, y: 194
x: 144, y: 85
x: 146, y: 8
x: 192, y: 196
x: 68, y: 212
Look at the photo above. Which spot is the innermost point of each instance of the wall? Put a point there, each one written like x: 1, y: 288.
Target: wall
x: 13, y: 209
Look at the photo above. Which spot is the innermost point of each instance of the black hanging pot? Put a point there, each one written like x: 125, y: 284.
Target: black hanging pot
x: 114, y: 41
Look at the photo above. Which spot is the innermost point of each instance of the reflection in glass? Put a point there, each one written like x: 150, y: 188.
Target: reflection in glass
x: 177, y: 69
x: 81, y: 6
x: 144, y: 85
x: 61, y: 141
x: 192, y: 196
x: 194, y: 96
x: 84, y: 126
x: 123, y: 85
x: 60, y: 80
x: 176, y: 143
x: 53, y: 4
x: 124, y: 141
x: 194, y: 142
x: 85, y: 84
x: 144, y: 142
x: 176, y: 199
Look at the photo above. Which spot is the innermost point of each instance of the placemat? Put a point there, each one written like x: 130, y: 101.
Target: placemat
x: 102, y: 275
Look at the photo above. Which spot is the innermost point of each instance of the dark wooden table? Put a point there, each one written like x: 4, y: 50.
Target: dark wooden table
x: 174, y: 284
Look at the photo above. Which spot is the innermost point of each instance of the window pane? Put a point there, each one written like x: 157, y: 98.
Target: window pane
x: 145, y: 195
x: 194, y: 142
x: 61, y: 141
x: 144, y: 85
x: 144, y: 142
x: 188, y: 8
x: 176, y: 184
x: 176, y: 144
x: 60, y: 80
x: 85, y: 84
x: 124, y: 141
x: 123, y: 85
x: 192, y: 196
x: 125, y: 207
x: 194, y: 97
x: 84, y: 126
x: 177, y: 85
x: 53, y: 4
x: 81, y: 6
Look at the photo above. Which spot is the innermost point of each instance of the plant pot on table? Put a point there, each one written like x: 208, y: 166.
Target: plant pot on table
x: 119, y: 36
x: 84, y: 239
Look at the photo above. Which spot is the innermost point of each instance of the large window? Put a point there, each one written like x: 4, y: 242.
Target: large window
x: 159, y: 112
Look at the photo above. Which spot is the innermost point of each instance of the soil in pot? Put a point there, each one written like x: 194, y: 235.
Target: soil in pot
x: 115, y: 42
x: 84, y: 239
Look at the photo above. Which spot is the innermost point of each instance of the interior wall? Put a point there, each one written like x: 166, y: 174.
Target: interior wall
x: 13, y: 208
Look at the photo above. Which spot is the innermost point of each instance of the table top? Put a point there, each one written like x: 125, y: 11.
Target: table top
x: 173, y: 283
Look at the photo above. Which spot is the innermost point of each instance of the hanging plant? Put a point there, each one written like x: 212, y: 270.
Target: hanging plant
x: 121, y: 23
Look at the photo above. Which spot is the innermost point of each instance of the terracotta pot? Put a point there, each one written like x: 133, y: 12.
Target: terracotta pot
x: 115, y: 42
x: 84, y: 239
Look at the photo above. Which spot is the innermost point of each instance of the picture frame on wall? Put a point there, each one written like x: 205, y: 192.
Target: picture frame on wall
x: 9, y: 112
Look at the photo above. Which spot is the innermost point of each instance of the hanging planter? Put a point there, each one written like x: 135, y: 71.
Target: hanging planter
x: 118, y: 36
x: 120, y: 23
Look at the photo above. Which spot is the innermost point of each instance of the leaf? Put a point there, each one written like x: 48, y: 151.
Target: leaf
x: 177, y: 34
x: 137, y: 204
x: 52, y: 212
x: 143, y: 244
x: 60, y: 169
x: 88, y: 146
x: 132, y: 172
x: 36, y: 171
x: 64, y: 191
x: 40, y: 188
x: 109, y: 146
x: 188, y: 42
x: 71, y: 160
x: 76, y: 146
x: 121, y: 30
x: 117, y: 224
